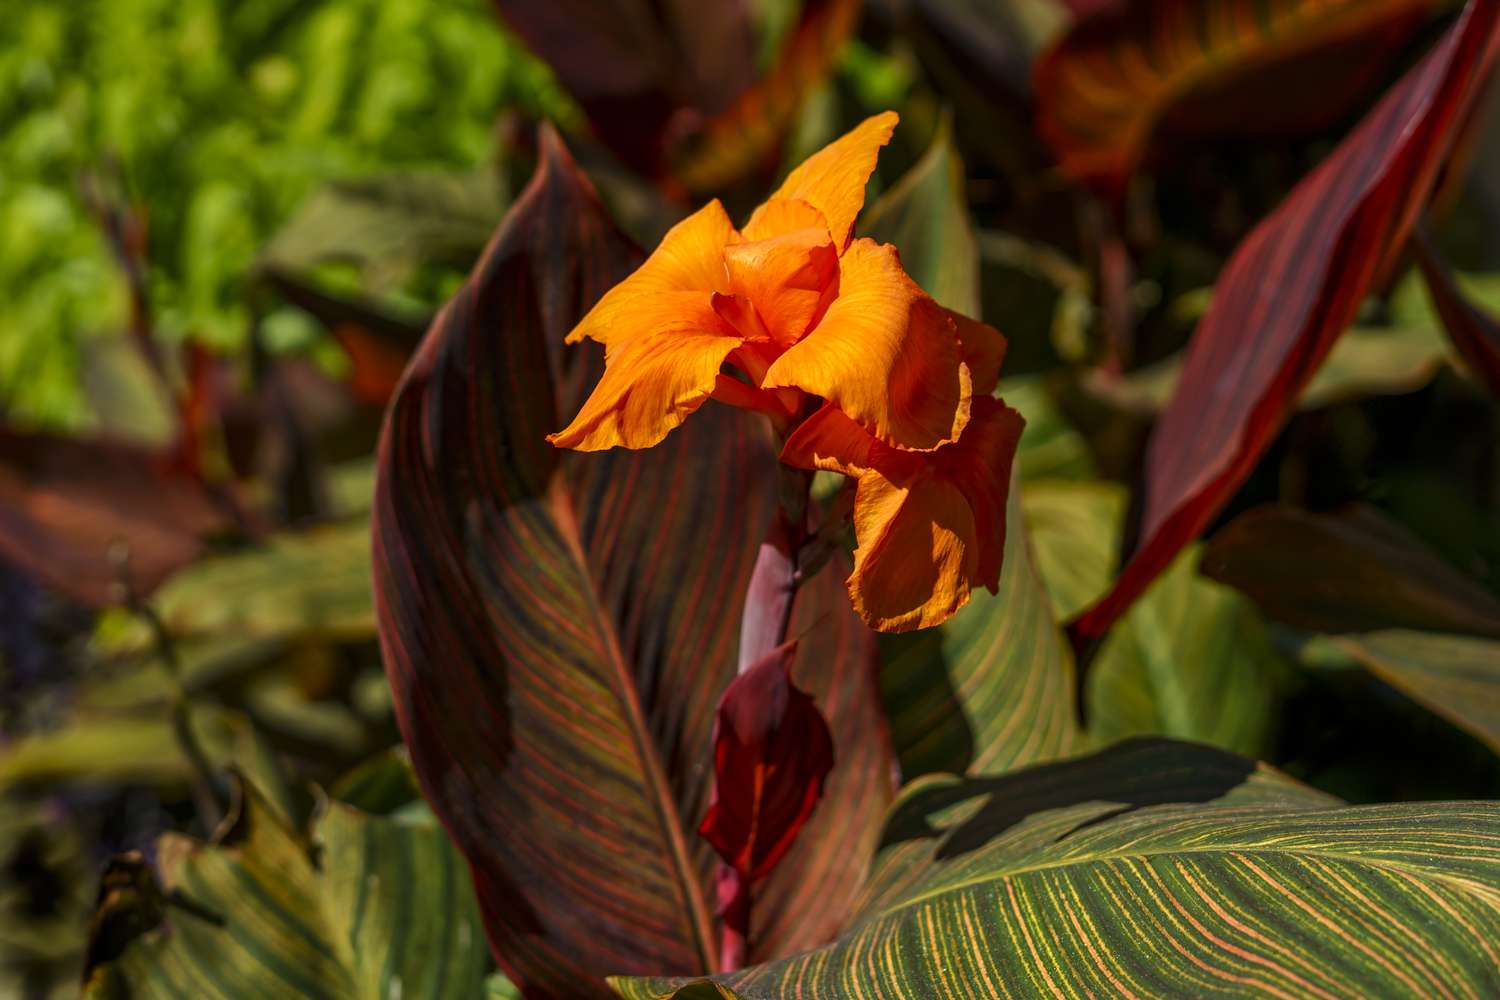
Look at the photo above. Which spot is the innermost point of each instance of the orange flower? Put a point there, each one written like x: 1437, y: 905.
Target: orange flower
x: 793, y: 306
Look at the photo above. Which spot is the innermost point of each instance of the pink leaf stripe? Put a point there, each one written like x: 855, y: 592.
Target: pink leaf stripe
x: 557, y: 628
x: 1290, y: 289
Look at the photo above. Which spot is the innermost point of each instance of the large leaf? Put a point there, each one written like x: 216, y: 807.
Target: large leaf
x: 86, y: 517
x: 1158, y: 869
x: 1290, y: 289
x: 386, y: 911
x: 557, y: 628
x: 1347, y: 572
x: 1191, y: 660
x: 990, y: 690
x: 1116, y: 78
x: 1456, y: 676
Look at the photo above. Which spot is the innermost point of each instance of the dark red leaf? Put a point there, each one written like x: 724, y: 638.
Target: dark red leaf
x: 557, y: 628
x: 97, y: 520
x: 772, y: 752
x: 1290, y: 289
x: 641, y: 68
x: 1129, y: 71
x: 1349, y: 572
x: 1475, y: 335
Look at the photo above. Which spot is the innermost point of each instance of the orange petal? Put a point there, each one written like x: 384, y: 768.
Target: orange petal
x: 652, y: 382
x: 983, y: 350
x: 785, y: 215
x: 980, y: 463
x: 785, y: 277
x: 930, y: 525
x: 915, y: 558
x: 689, y: 259
x: 885, y: 353
x: 833, y: 179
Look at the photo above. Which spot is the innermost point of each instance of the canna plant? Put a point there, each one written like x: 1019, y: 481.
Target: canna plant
x: 637, y: 667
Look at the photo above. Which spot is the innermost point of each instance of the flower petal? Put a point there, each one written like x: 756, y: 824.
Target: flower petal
x: 689, y: 259
x: 983, y: 350
x: 885, y: 353
x: 833, y: 179
x: 652, y: 382
x: 785, y: 278
x: 915, y: 558
x: 830, y: 441
x: 980, y: 462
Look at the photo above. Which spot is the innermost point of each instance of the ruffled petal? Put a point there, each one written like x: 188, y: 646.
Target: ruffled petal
x: 885, y: 353
x: 689, y: 259
x: 980, y: 463
x: 833, y: 179
x: 652, y: 382
x: 982, y: 348
x: 930, y: 526
x: 915, y: 558
x: 785, y: 278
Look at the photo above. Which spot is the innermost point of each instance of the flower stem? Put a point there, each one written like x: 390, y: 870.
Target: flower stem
x: 769, y: 600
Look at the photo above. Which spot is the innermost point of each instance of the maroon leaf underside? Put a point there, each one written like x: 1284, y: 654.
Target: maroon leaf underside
x: 641, y: 69
x: 1290, y: 289
x: 99, y: 520
x: 1474, y: 334
x: 557, y: 629
x: 772, y: 753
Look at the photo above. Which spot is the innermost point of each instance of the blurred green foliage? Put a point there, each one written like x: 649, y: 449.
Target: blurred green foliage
x: 221, y: 116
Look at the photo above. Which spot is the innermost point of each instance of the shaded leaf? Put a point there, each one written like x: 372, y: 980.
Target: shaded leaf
x: 1190, y: 660
x: 86, y: 516
x: 1475, y: 334
x: 1289, y: 290
x: 926, y: 215
x: 313, y: 583
x: 110, y: 750
x: 558, y: 627
x: 1051, y: 447
x: 1160, y: 869
x: 990, y: 690
x: 1347, y: 572
x: 387, y: 911
x: 746, y: 134
x: 641, y: 69
x: 1115, y: 78
x: 1456, y: 676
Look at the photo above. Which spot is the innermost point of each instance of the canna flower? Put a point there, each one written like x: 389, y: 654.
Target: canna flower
x: 793, y: 310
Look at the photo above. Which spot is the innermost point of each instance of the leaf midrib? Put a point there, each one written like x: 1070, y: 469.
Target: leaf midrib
x: 660, y: 792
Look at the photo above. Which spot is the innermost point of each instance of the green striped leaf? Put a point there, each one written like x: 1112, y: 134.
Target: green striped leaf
x: 1456, y: 676
x: 386, y: 911
x: 1113, y: 80
x: 1157, y: 869
x: 993, y: 688
x: 1190, y: 660
x: 557, y: 629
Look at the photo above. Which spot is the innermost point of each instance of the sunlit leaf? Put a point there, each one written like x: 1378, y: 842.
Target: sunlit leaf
x: 1190, y: 660
x: 1158, y: 869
